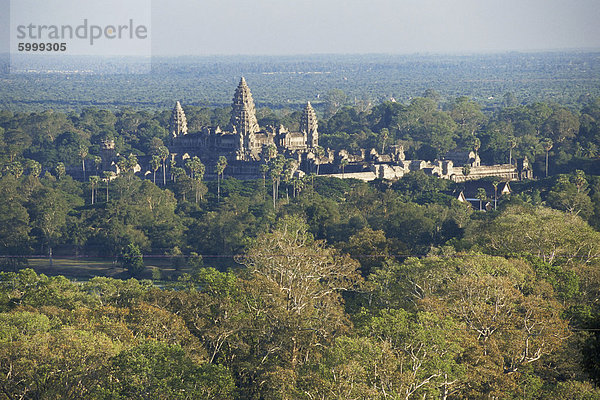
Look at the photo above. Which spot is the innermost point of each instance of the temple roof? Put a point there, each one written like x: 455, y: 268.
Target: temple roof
x: 243, y: 114
x: 178, y: 121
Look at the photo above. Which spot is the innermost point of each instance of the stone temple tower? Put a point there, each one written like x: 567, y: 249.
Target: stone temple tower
x: 243, y: 116
x: 309, y: 126
x: 178, y: 122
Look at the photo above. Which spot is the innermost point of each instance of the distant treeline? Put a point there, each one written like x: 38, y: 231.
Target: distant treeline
x: 279, y: 82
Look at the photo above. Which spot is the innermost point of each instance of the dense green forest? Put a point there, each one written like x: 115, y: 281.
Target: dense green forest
x: 289, y: 81
x: 507, y: 308
x: 313, y: 288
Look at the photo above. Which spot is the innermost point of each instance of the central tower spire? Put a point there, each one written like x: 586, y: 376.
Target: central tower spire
x: 243, y: 113
x: 309, y: 126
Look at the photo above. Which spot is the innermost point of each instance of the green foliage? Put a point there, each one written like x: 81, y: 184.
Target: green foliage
x: 551, y: 235
x: 132, y: 260
x: 293, y: 318
x: 154, y: 370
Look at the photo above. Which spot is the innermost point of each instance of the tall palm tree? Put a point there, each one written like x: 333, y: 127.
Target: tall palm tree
x: 221, y: 165
x: 275, y: 170
x: 495, y: 184
x: 343, y: 163
x: 264, y: 168
x: 547, y: 146
x: 83, y: 152
x: 512, y: 143
x: 163, y: 153
x: 107, y: 177
x: 319, y: 152
x: 154, y: 165
x: 94, y: 179
x: 481, y: 195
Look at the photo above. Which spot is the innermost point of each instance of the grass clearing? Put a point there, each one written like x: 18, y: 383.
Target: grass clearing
x: 83, y: 268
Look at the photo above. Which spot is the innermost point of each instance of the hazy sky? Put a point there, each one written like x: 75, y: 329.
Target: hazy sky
x: 201, y: 27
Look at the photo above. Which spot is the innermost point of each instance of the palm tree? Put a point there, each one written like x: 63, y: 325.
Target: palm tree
x: 83, y: 152
x: 60, y: 170
x: 94, y: 179
x: 547, y: 146
x: 476, y: 145
x: 319, y: 152
x: 97, y: 163
x: 163, y: 153
x: 107, y: 176
x: 288, y: 169
x: 34, y: 168
x: 221, y: 165
x: 198, y: 180
x: 512, y: 143
x: 271, y: 151
x: 343, y: 163
x: 495, y: 184
x: 481, y: 195
x: 154, y: 165
x: 193, y: 165
x: 384, y: 136
x: 264, y: 168
x: 275, y: 170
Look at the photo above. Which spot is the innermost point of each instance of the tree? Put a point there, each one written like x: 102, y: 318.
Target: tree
x: 34, y: 168
x: 14, y: 219
x: 16, y: 142
x: 264, y: 168
x: 97, y: 163
x: 467, y: 114
x: 94, y: 180
x: 509, y: 324
x: 466, y: 170
x: 495, y: 184
x: 319, y: 152
x: 571, y: 194
x: 14, y: 168
x: 199, y: 187
x: 49, y: 211
x: 163, y: 153
x: 384, y: 136
x: 481, y: 195
x: 512, y: 143
x: 547, y: 143
x: 289, y: 167
x: 153, y: 370
x: 271, y: 152
x: 132, y: 260
x: 476, y: 143
x: 553, y: 236
x: 561, y: 125
x: 132, y: 163
x: 155, y: 163
x: 334, y: 100
x: 369, y: 247
x: 296, y: 284
x: 43, y: 363
x: 194, y: 165
x: 108, y: 175
x: 83, y: 152
x: 276, y: 166
x: 60, y: 170
x: 220, y: 169
x: 343, y: 164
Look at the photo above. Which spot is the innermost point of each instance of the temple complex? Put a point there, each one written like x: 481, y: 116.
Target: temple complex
x: 244, y: 143
x: 247, y: 146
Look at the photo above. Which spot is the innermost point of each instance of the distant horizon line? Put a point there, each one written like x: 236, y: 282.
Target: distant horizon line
x: 411, y: 54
